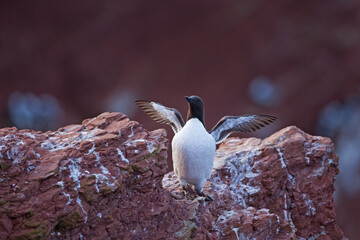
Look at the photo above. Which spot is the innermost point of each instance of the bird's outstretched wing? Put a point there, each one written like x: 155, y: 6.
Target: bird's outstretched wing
x: 243, y: 123
x: 162, y: 114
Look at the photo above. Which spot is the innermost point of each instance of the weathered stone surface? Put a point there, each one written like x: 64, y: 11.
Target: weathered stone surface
x: 105, y: 179
x: 91, y: 180
x: 277, y: 188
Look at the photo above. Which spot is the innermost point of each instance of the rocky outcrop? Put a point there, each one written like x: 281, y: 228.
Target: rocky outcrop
x: 277, y: 188
x: 100, y: 178
x: 106, y: 178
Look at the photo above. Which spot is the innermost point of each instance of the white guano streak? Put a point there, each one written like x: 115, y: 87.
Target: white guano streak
x: 283, y: 165
x: 123, y: 158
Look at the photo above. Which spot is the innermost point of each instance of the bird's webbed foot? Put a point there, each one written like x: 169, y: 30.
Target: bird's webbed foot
x: 189, y: 195
x: 207, y: 197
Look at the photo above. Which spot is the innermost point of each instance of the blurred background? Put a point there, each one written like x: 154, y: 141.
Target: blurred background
x: 64, y: 61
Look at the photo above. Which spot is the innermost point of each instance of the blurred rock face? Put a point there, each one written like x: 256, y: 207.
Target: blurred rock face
x: 34, y: 112
x: 98, y: 56
x: 341, y: 121
x: 105, y: 178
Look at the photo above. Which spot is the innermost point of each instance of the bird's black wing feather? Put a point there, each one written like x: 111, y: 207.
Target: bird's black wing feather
x: 243, y: 123
x: 162, y: 114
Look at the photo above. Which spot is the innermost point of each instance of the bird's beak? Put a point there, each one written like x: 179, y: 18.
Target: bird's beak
x: 187, y: 98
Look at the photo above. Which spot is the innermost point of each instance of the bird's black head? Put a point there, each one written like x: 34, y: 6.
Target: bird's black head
x: 196, y: 108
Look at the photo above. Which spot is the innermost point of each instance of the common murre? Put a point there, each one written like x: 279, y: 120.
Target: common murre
x: 193, y: 147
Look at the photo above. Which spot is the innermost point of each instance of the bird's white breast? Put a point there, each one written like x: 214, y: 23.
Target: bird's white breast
x: 193, y: 150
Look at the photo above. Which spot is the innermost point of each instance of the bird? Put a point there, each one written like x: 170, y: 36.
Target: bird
x: 193, y: 147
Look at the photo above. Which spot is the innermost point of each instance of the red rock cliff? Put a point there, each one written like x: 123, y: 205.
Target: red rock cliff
x: 105, y: 179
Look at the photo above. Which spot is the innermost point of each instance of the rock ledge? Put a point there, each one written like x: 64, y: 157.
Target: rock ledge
x: 106, y: 178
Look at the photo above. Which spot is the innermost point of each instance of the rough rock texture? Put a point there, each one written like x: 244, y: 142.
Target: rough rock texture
x: 104, y: 179
x: 277, y: 188
x: 91, y: 180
